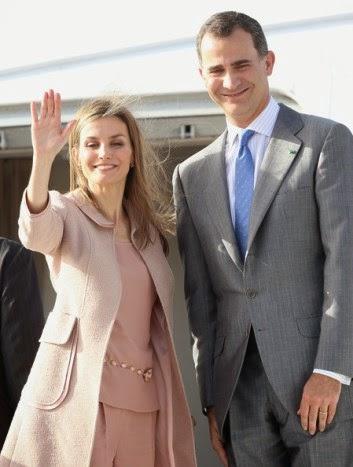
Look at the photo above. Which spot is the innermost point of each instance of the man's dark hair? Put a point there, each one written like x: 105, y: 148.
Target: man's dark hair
x: 223, y: 24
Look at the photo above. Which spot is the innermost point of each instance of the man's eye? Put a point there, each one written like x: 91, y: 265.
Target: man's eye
x: 242, y: 66
x: 215, y: 72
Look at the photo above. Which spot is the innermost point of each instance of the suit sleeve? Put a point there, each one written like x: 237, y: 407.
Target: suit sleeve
x: 200, y: 299
x: 21, y: 320
x: 334, y: 194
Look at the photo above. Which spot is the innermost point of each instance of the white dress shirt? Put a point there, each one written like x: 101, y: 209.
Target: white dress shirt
x: 263, y: 126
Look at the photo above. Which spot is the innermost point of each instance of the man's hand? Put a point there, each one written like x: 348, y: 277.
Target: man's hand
x: 319, y: 402
x: 215, y: 437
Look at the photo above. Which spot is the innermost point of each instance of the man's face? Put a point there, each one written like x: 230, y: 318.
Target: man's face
x: 236, y: 77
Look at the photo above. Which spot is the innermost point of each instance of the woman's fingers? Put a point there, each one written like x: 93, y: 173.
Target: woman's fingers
x: 57, y: 105
x: 34, y: 113
x: 50, y: 103
x: 48, y: 134
x: 44, y: 106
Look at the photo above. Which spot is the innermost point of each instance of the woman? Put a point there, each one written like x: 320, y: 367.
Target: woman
x: 105, y: 388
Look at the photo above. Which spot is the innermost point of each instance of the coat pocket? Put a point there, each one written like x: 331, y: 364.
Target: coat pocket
x: 49, y: 379
x: 310, y: 326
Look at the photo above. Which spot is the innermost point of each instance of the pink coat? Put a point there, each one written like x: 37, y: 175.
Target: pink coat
x: 54, y: 424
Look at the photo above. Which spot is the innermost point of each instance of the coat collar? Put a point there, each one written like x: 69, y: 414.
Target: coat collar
x: 96, y: 216
x: 280, y: 154
x: 217, y: 199
x: 150, y: 254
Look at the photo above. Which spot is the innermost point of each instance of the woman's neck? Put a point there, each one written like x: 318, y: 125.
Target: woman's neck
x: 110, y: 202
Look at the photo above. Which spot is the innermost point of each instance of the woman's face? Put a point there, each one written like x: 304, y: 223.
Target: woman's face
x: 105, y: 152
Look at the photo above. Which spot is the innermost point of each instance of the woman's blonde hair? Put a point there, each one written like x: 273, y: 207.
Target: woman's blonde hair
x: 147, y: 192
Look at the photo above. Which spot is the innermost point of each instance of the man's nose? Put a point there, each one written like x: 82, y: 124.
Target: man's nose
x: 230, y: 80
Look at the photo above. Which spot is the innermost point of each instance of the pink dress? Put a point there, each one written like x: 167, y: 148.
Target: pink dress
x: 127, y: 382
x: 128, y: 402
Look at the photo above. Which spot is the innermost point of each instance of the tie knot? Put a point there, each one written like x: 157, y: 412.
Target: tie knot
x: 244, y: 139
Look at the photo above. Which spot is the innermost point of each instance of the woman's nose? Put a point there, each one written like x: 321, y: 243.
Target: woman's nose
x: 103, y: 153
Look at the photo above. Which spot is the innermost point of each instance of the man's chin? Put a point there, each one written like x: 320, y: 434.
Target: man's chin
x: 237, y: 114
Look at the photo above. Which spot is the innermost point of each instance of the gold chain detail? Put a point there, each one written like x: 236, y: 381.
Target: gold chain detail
x: 146, y: 373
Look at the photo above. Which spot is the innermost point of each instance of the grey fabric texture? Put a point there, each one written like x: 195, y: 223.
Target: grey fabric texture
x: 295, y: 287
x: 261, y: 432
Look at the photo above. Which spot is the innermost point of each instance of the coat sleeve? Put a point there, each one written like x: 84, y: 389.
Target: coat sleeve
x: 21, y: 318
x: 334, y: 194
x: 43, y: 232
x: 200, y: 299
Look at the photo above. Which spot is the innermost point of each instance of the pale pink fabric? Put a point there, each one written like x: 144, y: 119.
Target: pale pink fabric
x: 54, y: 424
x: 130, y: 340
x: 129, y: 443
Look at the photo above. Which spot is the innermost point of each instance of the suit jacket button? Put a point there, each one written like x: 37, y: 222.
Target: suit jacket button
x: 251, y: 293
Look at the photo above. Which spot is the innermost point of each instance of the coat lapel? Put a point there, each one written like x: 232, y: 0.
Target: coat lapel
x: 281, y: 152
x: 217, y: 199
x: 152, y: 255
x: 157, y: 265
x: 154, y: 260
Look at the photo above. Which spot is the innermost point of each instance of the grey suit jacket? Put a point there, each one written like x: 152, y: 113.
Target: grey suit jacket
x: 295, y: 287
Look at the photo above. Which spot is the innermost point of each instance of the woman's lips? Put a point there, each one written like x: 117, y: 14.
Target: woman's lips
x: 105, y: 167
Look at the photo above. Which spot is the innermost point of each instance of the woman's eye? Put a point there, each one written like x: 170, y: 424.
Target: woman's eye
x: 117, y: 144
x: 91, y: 145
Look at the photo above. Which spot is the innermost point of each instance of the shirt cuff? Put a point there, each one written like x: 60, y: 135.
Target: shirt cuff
x: 341, y: 378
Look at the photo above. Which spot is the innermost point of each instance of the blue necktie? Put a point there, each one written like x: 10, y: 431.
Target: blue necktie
x: 244, y: 187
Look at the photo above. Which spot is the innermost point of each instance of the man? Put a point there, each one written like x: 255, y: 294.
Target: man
x: 21, y: 322
x: 265, y: 230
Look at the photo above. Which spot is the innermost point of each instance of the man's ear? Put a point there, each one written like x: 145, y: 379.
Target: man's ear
x: 270, y: 61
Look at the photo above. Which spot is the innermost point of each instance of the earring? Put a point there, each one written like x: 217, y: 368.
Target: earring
x: 132, y: 164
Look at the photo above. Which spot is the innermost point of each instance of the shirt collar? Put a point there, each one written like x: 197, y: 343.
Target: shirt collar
x: 263, y: 123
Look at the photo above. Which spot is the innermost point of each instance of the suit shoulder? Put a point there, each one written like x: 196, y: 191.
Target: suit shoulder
x: 197, y: 159
x: 11, y: 247
x: 319, y: 122
x: 322, y: 124
x: 312, y: 127
x: 12, y: 251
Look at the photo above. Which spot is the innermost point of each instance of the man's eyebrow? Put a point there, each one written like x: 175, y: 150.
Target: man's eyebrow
x: 237, y: 63
x: 215, y: 68
x: 244, y: 61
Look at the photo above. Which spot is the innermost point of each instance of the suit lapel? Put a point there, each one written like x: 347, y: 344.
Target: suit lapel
x: 281, y: 152
x: 217, y: 199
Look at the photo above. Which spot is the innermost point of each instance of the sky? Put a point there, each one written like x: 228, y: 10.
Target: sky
x: 42, y: 30
x: 311, y: 62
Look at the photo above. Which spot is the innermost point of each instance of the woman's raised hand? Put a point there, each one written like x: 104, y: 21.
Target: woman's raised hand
x: 48, y: 135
